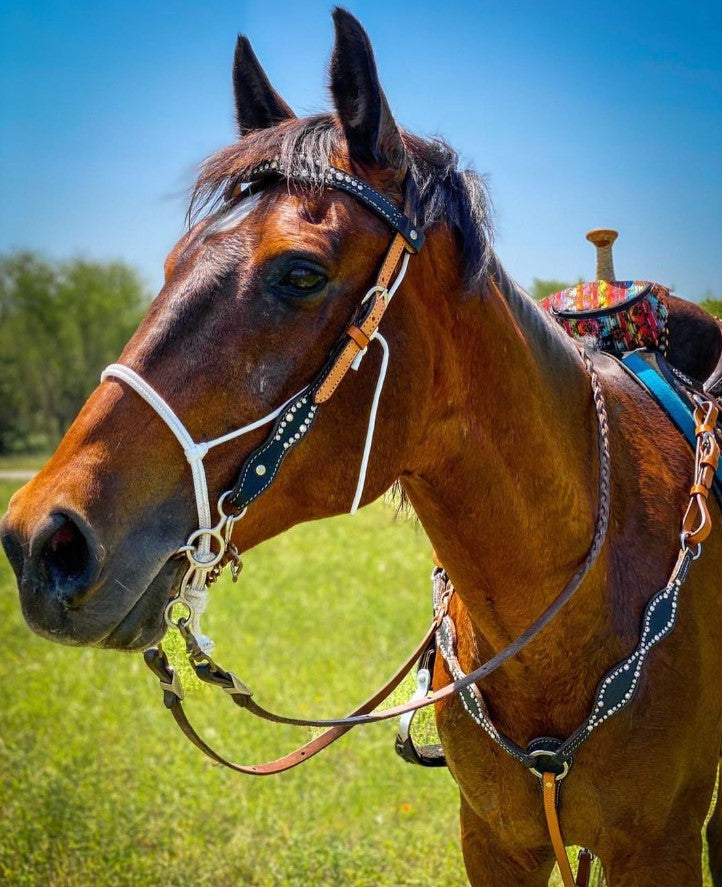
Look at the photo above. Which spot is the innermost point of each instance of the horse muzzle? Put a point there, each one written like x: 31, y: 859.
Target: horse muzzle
x: 71, y: 592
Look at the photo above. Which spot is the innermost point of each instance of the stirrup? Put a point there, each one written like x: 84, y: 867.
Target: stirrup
x: 424, y: 755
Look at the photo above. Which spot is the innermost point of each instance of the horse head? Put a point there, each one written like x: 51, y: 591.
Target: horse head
x: 256, y: 295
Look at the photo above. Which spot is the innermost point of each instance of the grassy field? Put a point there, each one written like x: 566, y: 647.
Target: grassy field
x: 99, y: 787
x: 18, y: 462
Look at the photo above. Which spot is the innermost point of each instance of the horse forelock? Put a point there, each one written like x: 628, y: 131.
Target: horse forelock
x: 447, y: 194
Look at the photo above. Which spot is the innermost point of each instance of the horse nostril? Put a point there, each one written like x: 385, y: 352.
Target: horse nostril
x: 66, y: 552
x: 66, y: 559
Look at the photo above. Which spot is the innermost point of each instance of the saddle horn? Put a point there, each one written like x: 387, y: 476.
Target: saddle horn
x: 603, y: 238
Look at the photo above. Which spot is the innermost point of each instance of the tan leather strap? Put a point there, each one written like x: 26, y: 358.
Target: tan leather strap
x: 358, y: 334
x: 395, y: 251
x: 549, y: 788
x: 697, y: 523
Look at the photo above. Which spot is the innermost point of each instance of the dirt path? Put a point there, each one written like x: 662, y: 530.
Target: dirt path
x: 16, y: 473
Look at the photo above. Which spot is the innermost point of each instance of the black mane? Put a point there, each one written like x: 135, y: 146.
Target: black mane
x: 458, y: 198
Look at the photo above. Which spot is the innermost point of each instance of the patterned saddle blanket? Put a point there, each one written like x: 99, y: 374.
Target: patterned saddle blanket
x: 619, y: 316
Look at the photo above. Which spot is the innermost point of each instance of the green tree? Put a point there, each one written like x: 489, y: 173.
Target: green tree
x: 714, y: 306
x: 60, y: 324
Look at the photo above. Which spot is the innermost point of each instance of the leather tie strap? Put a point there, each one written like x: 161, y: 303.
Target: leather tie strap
x: 549, y: 789
x: 697, y: 523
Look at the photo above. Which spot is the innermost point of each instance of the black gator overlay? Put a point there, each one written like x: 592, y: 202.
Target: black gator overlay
x: 261, y: 467
x: 614, y: 692
x: 619, y: 685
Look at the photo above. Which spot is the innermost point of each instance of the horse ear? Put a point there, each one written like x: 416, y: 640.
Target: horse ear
x: 258, y: 105
x: 371, y: 131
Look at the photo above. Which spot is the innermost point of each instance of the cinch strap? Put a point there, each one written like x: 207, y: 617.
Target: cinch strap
x: 671, y: 403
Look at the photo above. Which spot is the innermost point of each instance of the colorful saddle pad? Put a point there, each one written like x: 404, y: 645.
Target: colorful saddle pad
x: 619, y: 315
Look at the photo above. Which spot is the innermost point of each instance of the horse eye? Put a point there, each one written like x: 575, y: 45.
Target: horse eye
x: 302, y: 280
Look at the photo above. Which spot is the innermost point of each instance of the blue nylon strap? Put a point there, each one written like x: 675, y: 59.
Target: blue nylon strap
x: 672, y: 404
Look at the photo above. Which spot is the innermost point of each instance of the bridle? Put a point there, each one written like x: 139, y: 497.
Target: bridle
x: 209, y: 547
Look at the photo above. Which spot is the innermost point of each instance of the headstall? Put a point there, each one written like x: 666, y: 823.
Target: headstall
x: 209, y: 548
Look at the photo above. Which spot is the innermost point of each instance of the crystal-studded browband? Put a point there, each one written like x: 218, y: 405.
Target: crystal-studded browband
x: 331, y: 177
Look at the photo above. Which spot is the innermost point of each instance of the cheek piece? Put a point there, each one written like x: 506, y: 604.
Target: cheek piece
x: 209, y: 546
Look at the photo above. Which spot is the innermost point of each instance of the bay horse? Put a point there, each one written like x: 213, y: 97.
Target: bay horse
x: 487, y: 422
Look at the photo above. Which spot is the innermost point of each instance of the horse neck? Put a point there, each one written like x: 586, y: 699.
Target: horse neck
x: 506, y: 479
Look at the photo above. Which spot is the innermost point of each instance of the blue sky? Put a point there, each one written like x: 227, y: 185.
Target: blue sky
x: 581, y: 114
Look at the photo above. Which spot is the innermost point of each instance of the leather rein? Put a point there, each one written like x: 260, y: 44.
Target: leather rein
x: 286, y: 432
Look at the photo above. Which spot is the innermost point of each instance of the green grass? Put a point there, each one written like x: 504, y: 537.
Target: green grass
x: 99, y: 787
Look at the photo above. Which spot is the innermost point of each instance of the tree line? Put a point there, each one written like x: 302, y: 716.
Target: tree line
x: 61, y: 323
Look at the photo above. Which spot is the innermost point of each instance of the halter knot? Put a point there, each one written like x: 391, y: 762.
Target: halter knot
x: 196, y: 452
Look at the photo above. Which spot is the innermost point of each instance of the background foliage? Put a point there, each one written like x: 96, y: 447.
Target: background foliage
x: 714, y: 306
x: 60, y: 324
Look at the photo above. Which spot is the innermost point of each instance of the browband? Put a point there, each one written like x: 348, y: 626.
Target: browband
x: 332, y: 177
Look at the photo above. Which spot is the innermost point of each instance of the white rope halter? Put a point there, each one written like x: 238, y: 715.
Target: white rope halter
x: 199, y: 547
